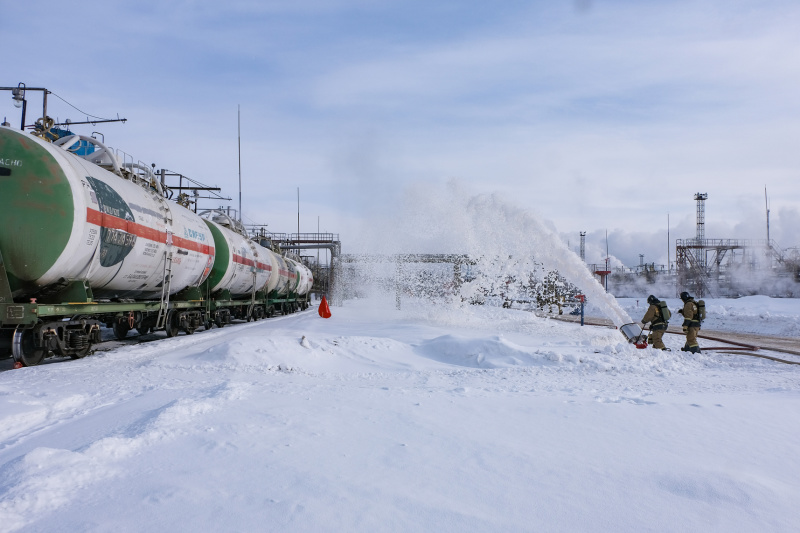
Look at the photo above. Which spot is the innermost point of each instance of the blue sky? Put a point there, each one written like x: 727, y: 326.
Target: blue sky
x: 596, y: 114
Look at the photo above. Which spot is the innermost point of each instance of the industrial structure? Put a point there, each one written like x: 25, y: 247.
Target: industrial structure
x: 713, y: 267
x: 729, y: 267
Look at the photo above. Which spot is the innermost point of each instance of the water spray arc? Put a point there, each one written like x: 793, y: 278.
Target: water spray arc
x: 504, y: 241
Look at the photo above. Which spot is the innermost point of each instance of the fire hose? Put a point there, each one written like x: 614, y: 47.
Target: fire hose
x: 739, y: 348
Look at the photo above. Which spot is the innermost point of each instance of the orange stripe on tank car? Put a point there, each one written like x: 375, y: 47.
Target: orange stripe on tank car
x: 243, y: 260
x: 192, y: 245
x: 249, y: 262
x: 105, y: 220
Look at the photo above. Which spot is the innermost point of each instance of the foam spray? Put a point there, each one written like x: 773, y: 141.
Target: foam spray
x: 506, y: 240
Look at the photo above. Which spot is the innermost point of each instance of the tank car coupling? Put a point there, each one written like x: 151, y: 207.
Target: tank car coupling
x: 634, y: 335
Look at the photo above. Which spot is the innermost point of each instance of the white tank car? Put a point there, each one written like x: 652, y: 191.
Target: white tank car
x: 309, y: 280
x: 117, y: 232
x: 275, y: 278
x: 282, y: 288
x: 241, y: 265
x: 305, y: 279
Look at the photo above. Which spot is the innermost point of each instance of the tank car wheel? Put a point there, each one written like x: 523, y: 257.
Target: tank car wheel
x: 23, y: 349
x: 144, y: 330
x: 171, y: 326
x: 80, y: 354
x: 121, y: 329
x: 208, y: 324
x: 218, y: 321
x: 188, y: 331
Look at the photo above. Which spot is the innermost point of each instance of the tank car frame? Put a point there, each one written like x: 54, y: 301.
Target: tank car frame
x: 68, y: 322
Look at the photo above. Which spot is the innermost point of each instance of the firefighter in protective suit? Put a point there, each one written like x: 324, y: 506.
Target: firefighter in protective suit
x: 691, y: 323
x: 657, y: 323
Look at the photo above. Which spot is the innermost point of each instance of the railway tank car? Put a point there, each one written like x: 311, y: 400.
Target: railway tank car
x: 92, y: 240
x: 241, y: 267
x: 65, y: 218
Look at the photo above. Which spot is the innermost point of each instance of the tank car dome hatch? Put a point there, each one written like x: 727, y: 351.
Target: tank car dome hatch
x: 222, y: 220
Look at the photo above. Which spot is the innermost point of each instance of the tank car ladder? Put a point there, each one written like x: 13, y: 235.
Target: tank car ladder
x: 254, y: 270
x: 163, y: 307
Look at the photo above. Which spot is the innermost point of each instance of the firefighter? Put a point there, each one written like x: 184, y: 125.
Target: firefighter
x: 658, y: 322
x: 691, y: 323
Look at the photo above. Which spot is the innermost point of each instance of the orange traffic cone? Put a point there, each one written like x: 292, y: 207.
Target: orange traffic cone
x: 324, y: 310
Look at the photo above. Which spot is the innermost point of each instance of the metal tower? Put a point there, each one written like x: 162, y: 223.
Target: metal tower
x: 583, y: 246
x: 700, y: 252
x: 701, y: 215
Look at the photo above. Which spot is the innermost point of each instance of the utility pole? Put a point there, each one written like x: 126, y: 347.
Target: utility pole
x: 606, y: 287
x: 239, y: 133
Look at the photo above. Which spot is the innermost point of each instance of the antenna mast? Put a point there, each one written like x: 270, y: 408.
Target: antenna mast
x: 239, y: 135
x: 766, y: 202
x: 606, y: 287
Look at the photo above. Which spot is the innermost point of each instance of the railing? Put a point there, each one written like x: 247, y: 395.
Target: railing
x: 303, y: 238
x: 726, y: 243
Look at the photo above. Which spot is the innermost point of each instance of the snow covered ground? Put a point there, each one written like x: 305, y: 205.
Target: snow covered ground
x: 477, y: 419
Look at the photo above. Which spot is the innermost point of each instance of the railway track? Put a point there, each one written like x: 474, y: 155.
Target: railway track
x: 110, y: 342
